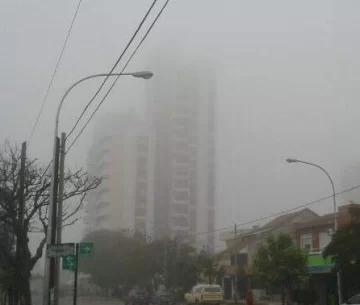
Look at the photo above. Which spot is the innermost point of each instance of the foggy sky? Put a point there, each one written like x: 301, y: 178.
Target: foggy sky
x: 287, y: 75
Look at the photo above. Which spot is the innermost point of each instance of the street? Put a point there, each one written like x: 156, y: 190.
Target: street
x: 92, y: 300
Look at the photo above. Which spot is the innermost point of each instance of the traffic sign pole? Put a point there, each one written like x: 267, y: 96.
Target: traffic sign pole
x: 76, y: 273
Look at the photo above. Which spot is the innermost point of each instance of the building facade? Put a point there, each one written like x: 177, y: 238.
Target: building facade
x: 122, y: 154
x: 181, y: 107
x: 242, y: 250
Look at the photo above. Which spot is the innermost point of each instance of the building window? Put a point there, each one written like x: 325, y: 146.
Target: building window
x: 211, y: 226
x: 140, y: 212
x: 192, y: 217
x: 211, y: 198
x: 306, y: 241
x: 241, y: 259
x: 141, y: 173
x: 180, y: 133
x: 181, y: 170
x: 181, y: 158
x: 211, y: 215
x: 142, y: 144
x: 181, y: 195
x: 140, y: 226
x: 324, y: 240
x: 181, y: 233
x: 180, y: 221
x: 181, y: 146
x: 180, y: 208
x: 142, y: 162
x: 181, y: 183
x: 141, y: 201
x: 141, y: 188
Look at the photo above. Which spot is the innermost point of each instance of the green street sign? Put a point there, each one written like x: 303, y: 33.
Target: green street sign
x: 86, y: 249
x: 68, y: 262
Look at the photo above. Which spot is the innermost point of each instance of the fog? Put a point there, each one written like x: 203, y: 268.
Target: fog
x: 286, y: 75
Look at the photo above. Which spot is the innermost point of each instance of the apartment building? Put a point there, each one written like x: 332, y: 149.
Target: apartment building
x: 122, y: 154
x: 181, y: 102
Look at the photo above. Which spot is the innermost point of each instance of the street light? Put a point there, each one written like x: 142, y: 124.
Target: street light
x: 291, y: 160
x: 140, y: 74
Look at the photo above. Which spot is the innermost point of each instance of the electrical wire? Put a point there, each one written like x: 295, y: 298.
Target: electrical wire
x: 113, y: 68
x: 54, y: 72
x: 122, y: 54
x: 117, y: 78
x: 276, y: 214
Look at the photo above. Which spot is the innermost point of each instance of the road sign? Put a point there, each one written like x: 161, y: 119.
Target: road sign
x: 86, y: 249
x: 69, y: 262
x: 60, y: 250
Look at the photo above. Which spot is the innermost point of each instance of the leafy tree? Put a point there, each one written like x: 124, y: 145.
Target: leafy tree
x: 220, y: 273
x: 345, y: 252
x: 181, y: 262
x: 208, y: 266
x: 279, y: 262
x: 36, y: 198
x: 118, y: 259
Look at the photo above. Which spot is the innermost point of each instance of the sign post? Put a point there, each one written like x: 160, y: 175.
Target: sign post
x: 68, y: 262
x: 76, y: 273
x: 57, y: 250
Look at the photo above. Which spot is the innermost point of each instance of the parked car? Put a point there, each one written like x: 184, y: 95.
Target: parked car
x: 205, y: 294
x: 166, y: 297
x: 355, y: 300
x: 137, y: 297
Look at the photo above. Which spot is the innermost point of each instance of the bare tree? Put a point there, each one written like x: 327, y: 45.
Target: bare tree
x: 37, y: 193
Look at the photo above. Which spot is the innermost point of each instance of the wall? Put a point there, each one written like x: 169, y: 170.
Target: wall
x: 316, y: 233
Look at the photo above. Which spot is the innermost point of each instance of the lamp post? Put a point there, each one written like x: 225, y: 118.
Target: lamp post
x: 52, y: 200
x: 290, y: 160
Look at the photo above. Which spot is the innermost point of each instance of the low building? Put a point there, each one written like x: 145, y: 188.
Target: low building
x: 240, y: 254
x: 314, y: 236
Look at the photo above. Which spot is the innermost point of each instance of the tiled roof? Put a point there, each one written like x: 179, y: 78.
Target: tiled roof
x: 285, y: 219
x: 324, y: 220
x: 276, y: 223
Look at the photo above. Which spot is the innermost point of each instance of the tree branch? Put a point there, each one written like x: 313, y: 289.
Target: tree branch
x: 38, y: 253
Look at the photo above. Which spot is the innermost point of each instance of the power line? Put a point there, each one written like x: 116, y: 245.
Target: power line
x: 116, y: 79
x: 276, y: 214
x: 127, y: 63
x: 113, y: 68
x: 55, y: 71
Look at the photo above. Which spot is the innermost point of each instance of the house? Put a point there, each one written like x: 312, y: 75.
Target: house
x: 242, y: 250
x: 314, y: 236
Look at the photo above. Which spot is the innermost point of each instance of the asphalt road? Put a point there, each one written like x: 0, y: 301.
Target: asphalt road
x: 37, y: 300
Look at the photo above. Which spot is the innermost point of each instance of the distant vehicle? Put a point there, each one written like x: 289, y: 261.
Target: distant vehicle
x: 355, y: 300
x: 205, y: 294
x: 141, y: 298
x: 166, y: 297
x: 137, y: 297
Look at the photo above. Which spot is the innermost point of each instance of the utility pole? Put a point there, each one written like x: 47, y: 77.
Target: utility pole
x: 59, y: 217
x: 51, y: 230
x: 21, y: 212
x: 165, y: 263
x: 236, y: 268
x: 76, y: 273
x: 177, y: 241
